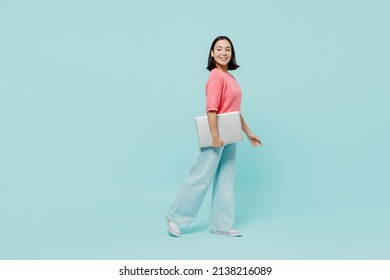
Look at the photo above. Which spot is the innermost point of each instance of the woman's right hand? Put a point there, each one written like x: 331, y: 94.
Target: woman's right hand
x: 217, y: 142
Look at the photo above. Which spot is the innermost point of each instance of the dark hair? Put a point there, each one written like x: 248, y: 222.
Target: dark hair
x: 232, y: 65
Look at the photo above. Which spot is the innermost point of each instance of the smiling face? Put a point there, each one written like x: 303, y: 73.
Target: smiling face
x: 222, y: 54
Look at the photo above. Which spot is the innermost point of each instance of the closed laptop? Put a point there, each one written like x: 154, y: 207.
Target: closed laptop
x: 229, y: 128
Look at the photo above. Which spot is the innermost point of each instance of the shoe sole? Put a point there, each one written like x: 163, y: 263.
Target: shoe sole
x: 232, y: 234
x: 171, y: 231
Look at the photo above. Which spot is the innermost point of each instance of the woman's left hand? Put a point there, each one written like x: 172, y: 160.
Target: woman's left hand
x: 254, y: 139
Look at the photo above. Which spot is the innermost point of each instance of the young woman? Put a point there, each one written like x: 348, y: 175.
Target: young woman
x: 223, y: 95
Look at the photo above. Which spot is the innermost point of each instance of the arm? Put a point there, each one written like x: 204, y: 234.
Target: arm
x: 212, y: 118
x: 253, y: 138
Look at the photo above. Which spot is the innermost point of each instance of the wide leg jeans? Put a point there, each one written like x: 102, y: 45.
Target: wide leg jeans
x: 213, y: 164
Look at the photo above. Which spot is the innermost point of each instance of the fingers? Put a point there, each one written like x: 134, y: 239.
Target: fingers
x: 218, y: 144
x: 255, y: 141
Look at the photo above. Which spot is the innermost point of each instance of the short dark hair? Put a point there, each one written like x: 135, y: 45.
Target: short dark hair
x: 232, y: 65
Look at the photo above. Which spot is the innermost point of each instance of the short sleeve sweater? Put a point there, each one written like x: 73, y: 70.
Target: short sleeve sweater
x: 223, y: 94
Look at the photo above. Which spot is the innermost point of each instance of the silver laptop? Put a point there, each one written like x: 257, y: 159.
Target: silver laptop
x: 229, y: 128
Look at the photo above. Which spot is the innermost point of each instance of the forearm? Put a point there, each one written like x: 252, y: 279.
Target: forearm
x: 212, y: 119
x: 253, y: 138
x: 245, y: 127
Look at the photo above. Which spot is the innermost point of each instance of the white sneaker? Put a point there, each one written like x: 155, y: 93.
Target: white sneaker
x: 232, y: 232
x: 173, y: 228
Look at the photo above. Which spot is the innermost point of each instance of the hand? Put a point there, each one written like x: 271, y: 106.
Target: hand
x: 255, y: 141
x: 217, y: 143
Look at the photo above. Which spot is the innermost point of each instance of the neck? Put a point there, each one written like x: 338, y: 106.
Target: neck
x: 222, y: 68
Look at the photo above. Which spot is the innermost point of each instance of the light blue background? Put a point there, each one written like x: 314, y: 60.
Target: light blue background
x: 97, y: 108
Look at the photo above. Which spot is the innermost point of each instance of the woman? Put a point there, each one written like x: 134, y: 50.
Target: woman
x: 223, y: 95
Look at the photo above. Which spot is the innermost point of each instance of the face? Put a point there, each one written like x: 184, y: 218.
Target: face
x: 222, y: 54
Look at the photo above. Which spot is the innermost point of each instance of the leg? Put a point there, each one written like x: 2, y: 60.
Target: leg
x: 188, y: 201
x: 222, y: 204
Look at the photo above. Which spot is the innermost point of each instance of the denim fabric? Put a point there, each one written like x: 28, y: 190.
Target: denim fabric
x: 216, y: 164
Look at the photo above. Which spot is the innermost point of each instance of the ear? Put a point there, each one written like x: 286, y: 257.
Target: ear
x: 212, y: 53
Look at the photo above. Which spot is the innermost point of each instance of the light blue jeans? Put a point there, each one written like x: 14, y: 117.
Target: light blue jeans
x: 212, y: 163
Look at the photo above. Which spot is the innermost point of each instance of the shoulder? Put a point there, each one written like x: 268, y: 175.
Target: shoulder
x: 216, y: 74
x: 215, y: 71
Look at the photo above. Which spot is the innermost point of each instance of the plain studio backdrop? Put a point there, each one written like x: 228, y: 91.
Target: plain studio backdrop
x: 98, y: 101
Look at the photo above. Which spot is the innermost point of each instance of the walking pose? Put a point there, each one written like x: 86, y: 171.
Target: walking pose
x: 215, y: 163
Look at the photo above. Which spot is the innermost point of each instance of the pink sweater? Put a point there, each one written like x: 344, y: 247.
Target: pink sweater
x: 223, y: 94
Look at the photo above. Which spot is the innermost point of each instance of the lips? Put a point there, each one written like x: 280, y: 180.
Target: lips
x: 223, y: 58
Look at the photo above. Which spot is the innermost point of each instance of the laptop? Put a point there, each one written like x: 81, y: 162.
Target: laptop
x: 229, y: 128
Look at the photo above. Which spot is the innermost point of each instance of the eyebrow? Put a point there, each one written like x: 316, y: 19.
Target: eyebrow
x: 222, y: 47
